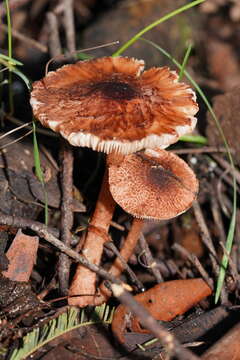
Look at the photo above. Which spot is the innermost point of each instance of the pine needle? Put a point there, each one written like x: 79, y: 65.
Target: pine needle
x: 70, y: 320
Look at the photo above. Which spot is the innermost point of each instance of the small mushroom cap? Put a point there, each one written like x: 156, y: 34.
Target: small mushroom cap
x: 155, y: 184
x: 111, y: 104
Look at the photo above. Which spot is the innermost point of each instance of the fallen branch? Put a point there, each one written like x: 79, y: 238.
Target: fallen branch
x: 170, y: 344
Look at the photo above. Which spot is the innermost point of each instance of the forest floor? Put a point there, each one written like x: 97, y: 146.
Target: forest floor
x: 36, y: 320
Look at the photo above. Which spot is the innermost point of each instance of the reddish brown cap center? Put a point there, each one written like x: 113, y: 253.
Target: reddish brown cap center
x: 159, y: 175
x: 116, y: 90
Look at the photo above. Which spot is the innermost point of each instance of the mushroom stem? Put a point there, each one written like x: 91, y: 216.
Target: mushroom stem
x: 126, y: 252
x: 83, y: 287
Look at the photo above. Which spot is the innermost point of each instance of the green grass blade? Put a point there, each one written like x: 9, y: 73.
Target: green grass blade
x: 9, y: 29
x: 154, y: 24
x: 9, y: 25
x: 38, y: 171
x: 185, y: 60
x: 232, y: 226
x: 228, y: 246
x: 23, y: 77
x: 10, y: 64
x: 10, y: 60
x: 196, y: 139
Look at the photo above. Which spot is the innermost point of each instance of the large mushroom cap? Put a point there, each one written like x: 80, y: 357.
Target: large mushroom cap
x: 112, y: 104
x: 155, y: 184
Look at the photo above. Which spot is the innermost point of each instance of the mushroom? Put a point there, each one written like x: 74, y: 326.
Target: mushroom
x: 112, y: 105
x: 154, y: 184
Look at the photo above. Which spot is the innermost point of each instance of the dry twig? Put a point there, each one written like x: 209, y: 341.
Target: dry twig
x: 68, y: 22
x: 54, y: 39
x: 133, y: 278
x: 28, y: 42
x: 43, y: 232
x: 195, y: 262
x: 207, y: 240
x: 150, y: 262
x: 66, y: 213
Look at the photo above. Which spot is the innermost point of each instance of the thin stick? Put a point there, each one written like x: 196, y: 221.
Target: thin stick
x: 195, y: 262
x: 18, y: 122
x: 16, y: 140
x: 232, y: 267
x: 205, y: 235
x: 217, y: 214
x: 207, y: 240
x: 151, y: 263
x: 42, y: 231
x: 28, y: 42
x: 54, y: 38
x: 68, y: 22
x: 63, y: 56
x: 66, y: 214
x: 133, y: 278
x: 50, y: 286
x: 225, y: 176
x: 170, y: 344
x: 14, y: 130
x: 37, y: 7
x: 226, y: 165
x: 204, y: 149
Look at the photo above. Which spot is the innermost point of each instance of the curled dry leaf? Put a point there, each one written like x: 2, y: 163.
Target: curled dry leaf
x: 164, y: 302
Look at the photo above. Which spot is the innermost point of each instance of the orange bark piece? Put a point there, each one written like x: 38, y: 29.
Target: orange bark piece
x: 83, y: 288
x: 164, y: 302
x: 22, y: 257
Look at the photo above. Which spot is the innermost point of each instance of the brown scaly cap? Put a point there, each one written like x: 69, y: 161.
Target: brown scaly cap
x: 111, y: 104
x: 155, y: 184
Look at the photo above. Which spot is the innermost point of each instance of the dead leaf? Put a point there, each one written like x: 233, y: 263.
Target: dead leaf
x: 22, y: 257
x: 164, y: 302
